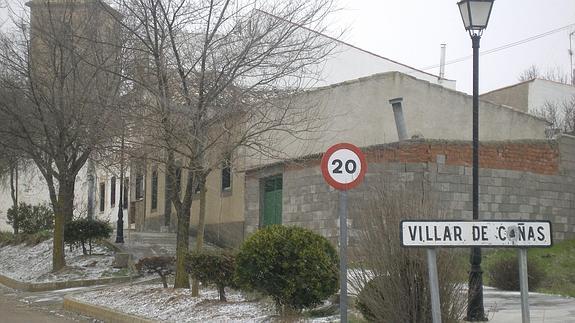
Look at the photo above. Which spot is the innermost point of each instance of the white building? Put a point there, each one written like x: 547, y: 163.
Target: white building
x: 32, y: 189
x: 531, y: 96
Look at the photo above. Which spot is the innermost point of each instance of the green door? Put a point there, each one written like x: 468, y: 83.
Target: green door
x: 272, y: 200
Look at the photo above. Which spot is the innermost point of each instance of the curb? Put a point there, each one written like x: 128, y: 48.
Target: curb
x: 105, y: 314
x: 40, y: 287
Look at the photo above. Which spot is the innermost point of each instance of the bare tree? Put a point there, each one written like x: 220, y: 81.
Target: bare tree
x: 560, y: 115
x: 220, y: 77
x: 57, y: 94
x: 552, y: 74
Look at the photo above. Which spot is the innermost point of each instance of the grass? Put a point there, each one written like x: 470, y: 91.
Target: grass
x: 557, y: 262
x: 30, y: 239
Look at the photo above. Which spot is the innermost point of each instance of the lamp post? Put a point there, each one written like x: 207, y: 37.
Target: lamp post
x: 475, y: 14
x: 120, y: 223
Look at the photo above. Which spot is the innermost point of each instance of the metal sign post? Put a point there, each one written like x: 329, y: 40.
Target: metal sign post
x: 433, y: 285
x: 343, y: 167
x: 524, y: 285
x: 343, y: 255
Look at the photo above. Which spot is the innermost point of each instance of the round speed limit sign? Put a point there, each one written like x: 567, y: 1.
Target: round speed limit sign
x: 343, y: 166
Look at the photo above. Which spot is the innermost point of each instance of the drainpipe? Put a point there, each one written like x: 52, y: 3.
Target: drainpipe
x: 399, y: 120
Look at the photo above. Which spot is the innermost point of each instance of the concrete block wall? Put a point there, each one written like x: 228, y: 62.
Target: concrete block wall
x: 527, y: 180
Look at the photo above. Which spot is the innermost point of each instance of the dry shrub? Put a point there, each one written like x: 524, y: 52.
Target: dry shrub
x: 504, y: 274
x: 391, y: 281
x: 161, y: 265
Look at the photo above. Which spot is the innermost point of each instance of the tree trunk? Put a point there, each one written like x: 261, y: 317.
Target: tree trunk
x: 182, y: 247
x: 63, y: 213
x: 202, y: 217
x: 200, y: 232
x: 14, y: 195
x: 222, y: 292
x: 164, y: 280
x: 91, y: 188
x: 58, y: 259
x: 169, y: 178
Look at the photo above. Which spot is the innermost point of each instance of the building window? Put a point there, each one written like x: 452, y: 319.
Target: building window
x: 139, y: 186
x: 227, y: 174
x: 126, y: 193
x: 113, y: 191
x: 102, y: 196
x: 154, y: 189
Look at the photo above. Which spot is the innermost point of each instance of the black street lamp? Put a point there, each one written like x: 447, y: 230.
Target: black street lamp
x: 120, y: 223
x: 475, y: 14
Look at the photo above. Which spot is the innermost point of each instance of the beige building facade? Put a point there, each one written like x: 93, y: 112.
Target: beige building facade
x: 356, y: 111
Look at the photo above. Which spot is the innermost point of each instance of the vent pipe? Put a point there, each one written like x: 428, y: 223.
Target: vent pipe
x: 442, y: 64
x: 399, y: 119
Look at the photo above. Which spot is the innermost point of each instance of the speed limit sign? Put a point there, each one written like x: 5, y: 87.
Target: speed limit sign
x: 343, y: 166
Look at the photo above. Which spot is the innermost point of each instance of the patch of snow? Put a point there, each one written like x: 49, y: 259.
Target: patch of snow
x: 178, y: 305
x: 34, y: 263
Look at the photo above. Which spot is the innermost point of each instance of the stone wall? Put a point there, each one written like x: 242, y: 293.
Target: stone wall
x: 518, y: 180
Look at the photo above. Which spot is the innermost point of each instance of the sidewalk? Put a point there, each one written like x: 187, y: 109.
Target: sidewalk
x: 146, y: 244
x: 505, y: 307
x: 149, y: 244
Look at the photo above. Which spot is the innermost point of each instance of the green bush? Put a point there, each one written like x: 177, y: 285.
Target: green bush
x: 161, y: 265
x: 296, y: 267
x: 503, y: 273
x: 82, y: 231
x: 31, y: 218
x: 210, y: 267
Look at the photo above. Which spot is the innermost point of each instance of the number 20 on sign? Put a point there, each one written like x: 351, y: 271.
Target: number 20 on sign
x: 343, y: 166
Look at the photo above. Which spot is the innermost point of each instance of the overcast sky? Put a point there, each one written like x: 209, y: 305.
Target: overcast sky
x: 411, y: 31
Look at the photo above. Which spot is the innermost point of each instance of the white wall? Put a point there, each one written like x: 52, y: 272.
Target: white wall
x: 543, y: 91
x: 348, y: 63
x: 33, y: 190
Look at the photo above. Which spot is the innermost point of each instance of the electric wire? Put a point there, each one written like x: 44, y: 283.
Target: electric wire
x: 497, y: 49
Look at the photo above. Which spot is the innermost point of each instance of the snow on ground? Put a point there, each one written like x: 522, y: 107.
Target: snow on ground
x: 34, y: 263
x: 177, y: 305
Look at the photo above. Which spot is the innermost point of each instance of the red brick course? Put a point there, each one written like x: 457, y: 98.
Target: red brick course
x: 538, y: 157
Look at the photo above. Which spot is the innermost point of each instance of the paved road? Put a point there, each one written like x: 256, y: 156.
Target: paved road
x: 505, y: 307
x: 37, y: 307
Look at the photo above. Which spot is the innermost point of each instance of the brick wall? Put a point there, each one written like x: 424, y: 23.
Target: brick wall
x: 518, y: 180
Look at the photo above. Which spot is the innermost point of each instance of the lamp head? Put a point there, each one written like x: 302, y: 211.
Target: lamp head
x: 475, y: 14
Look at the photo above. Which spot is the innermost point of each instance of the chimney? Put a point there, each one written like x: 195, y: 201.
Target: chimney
x: 442, y: 64
x: 399, y: 120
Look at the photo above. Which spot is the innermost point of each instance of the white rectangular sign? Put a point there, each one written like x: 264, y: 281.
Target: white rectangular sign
x: 475, y: 233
